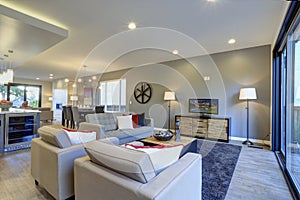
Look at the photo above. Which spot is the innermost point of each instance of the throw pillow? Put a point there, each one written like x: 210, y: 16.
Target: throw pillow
x: 135, y: 120
x: 161, y: 156
x: 141, y: 119
x: 125, y: 122
x: 80, y: 136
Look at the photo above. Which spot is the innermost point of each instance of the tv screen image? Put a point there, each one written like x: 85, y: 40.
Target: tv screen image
x: 206, y: 106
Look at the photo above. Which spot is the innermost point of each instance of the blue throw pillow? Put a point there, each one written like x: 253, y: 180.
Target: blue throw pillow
x: 141, y: 119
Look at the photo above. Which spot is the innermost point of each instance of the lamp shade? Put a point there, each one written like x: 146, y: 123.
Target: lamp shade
x: 298, y: 93
x: 74, y: 98
x: 169, y: 96
x: 50, y: 99
x: 247, y: 93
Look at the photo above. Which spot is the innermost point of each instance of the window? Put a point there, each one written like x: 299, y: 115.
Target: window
x: 113, y: 95
x: 3, y: 92
x: 293, y: 106
x: 18, y: 93
x: 286, y: 98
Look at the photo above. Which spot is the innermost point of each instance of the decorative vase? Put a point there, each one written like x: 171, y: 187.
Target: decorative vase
x: 5, y: 106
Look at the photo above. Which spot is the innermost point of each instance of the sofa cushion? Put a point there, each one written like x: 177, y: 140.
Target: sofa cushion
x: 161, y: 156
x: 129, y: 132
x: 131, y: 163
x: 54, y: 136
x: 125, y: 122
x: 108, y: 120
x: 80, y: 136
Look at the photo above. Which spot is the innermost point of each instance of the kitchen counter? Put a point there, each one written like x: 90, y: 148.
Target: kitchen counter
x: 18, y: 110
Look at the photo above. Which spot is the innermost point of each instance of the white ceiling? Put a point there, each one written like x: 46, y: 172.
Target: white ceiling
x: 98, y: 35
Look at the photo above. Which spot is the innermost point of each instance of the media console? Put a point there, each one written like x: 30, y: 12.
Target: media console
x: 208, y: 127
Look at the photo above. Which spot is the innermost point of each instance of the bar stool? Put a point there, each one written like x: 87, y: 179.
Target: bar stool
x: 69, y: 117
x: 63, y: 116
x: 99, y: 109
x: 76, y: 117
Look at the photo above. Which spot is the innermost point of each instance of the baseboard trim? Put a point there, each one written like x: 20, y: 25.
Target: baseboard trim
x: 263, y: 142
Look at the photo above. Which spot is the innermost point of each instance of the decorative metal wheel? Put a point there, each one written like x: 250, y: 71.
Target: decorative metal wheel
x: 142, y: 92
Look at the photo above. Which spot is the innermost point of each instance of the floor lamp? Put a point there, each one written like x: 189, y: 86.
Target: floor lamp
x: 247, y: 94
x: 169, y: 96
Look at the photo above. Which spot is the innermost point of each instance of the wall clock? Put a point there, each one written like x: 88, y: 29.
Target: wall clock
x: 142, y: 92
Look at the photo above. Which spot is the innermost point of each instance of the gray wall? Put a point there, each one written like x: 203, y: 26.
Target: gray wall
x: 247, y: 68
x: 228, y: 72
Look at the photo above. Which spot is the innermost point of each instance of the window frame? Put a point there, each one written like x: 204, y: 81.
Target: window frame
x: 9, y: 85
x: 121, y: 94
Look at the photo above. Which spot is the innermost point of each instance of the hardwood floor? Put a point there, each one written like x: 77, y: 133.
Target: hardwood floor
x: 257, y: 176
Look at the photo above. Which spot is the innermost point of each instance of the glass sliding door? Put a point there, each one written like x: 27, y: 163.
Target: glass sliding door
x: 286, y: 98
x: 283, y: 103
x: 293, y: 106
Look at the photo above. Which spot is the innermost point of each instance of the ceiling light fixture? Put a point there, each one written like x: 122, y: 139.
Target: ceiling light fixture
x: 66, y: 80
x: 37, y: 78
x: 51, y: 77
x: 131, y: 25
x: 50, y: 74
x: 6, y: 76
x: 231, y: 41
x: 175, y: 52
x: 79, y: 80
x: 94, y: 77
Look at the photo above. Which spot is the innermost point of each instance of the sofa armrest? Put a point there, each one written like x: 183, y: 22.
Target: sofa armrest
x: 175, y: 182
x: 52, y: 167
x: 149, y: 122
x: 100, y: 130
x: 92, y: 180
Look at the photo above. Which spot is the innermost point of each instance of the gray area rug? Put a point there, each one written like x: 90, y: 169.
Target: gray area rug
x: 218, y: 164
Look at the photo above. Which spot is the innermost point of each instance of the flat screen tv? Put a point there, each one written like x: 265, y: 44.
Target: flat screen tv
x: 205, y: 106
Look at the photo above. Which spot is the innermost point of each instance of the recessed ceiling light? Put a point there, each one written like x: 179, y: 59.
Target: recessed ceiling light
x: 74, y: 85
x: 90, y: 80
x: 79, y: 80
x: 210, y: 0
x: 131, y: 25
x: 175, y: 52
x: 37, y: 78
x: 231, y: 41
x: 51, y: 77
x: 66, y: 80
x: 94, y: 77
x: 50, y: 74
